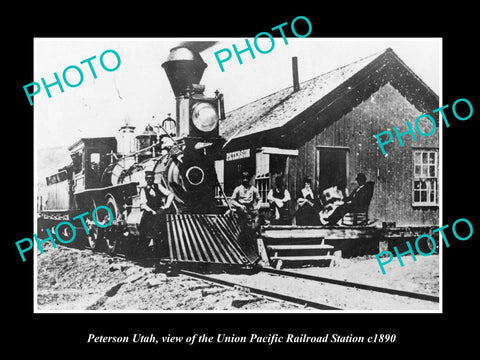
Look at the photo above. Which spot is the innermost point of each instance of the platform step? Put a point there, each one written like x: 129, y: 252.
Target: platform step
x: 299, y: 247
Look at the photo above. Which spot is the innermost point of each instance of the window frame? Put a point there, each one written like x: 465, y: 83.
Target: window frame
x: 424, y: 176
x: 262, y: 179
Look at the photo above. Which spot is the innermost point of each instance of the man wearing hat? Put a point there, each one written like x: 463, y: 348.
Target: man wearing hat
x: 154, y: 205
x: 353, y: 202
x: 246, y: 200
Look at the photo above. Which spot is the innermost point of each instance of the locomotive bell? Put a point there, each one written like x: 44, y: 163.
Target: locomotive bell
x: 184, y: 68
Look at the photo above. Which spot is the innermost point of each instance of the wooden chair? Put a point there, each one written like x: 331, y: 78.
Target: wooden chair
x: 360, y: 214
x: 355, y: 218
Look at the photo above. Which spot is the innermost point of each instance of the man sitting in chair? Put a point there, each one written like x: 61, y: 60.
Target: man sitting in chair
x: 357, y: 201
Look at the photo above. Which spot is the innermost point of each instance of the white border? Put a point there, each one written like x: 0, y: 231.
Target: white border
x: 175, y: 40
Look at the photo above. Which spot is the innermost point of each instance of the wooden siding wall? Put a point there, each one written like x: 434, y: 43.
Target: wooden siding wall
x: 57, y: 196
x: 393, y: 173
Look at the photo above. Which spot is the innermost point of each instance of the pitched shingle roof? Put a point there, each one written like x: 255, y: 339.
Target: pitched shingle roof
x: 287, y: 118
x: 276, y: 109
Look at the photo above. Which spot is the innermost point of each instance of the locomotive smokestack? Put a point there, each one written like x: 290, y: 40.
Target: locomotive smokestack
x: 184, y: 68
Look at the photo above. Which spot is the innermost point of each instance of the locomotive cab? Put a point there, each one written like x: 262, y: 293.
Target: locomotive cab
x: 90, y: 158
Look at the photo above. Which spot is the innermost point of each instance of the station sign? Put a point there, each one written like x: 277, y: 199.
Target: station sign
x: 237, y: 155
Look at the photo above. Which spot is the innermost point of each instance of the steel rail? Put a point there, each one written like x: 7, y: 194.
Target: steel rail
x: 266, y: 293
x: 403, y: 293
x: 352, y: 284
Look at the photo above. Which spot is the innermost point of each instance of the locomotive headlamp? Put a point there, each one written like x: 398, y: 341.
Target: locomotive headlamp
x: 204, y: 117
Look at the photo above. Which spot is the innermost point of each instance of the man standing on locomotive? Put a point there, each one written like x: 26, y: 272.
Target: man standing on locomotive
x: 152, y: 198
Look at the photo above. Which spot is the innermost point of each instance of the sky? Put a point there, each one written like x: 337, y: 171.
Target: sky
x: 139, y: 91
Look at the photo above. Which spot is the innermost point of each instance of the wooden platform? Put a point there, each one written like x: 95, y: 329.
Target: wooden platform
x: 314, y: 232
x: 341, y: 232
x: 307, y: 244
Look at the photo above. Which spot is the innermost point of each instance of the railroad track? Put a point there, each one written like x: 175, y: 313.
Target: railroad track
x: 408, y: 294
x: 242, y: 283
x: 151, y: 261
x: 258, y: 291
x: 220, y: 279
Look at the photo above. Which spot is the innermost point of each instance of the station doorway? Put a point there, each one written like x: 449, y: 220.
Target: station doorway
x: 332, y: 167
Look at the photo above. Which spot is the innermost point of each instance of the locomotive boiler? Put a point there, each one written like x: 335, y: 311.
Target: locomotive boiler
x: 182, y: 152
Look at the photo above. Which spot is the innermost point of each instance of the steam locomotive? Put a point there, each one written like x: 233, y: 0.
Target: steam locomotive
x: 110, y: 171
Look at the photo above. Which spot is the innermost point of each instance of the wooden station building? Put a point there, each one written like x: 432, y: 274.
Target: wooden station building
x: 325, y: 128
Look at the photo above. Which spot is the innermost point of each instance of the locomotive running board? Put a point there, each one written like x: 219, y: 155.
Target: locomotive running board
x: 209, y: 238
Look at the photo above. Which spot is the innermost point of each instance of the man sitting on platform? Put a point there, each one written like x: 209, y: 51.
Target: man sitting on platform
x: 246, y: 201
x: 279, y: 199
x: 355, y: 202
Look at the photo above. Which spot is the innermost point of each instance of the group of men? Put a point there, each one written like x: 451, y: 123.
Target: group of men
x: 246, y: 201
x: 311, y: 210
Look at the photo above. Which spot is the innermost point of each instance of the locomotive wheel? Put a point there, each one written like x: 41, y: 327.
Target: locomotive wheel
x: 66, y: 234
x: 111, y: 236
x: 111, y: 242
x: 94, y: 233
x: 93, y: 236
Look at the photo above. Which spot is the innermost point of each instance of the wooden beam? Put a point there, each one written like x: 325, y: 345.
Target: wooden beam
x: 319, y: 234
x: 303, y: 258
x: 341, y: 232
x: 278, y: 151
x: 299, y: 247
